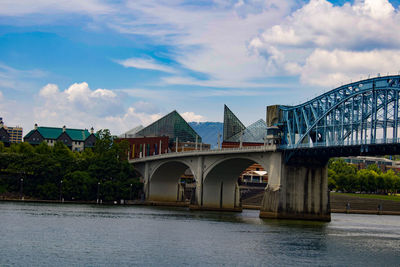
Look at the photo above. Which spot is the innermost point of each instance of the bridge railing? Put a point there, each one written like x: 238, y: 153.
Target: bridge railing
x: 343, y: 143
x: 209, y: 151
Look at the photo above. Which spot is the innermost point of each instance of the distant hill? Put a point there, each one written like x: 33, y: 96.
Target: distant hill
x: 208, y: 131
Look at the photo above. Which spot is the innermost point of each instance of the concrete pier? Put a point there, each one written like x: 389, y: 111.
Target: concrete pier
x: 301, y: 194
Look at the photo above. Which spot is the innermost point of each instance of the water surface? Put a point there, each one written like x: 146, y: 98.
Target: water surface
x: 91, y: 235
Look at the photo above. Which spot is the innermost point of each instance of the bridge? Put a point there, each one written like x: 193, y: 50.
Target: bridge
x: 360, y: 118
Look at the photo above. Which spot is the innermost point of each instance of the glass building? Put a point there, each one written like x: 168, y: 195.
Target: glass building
x: 171, y: 125
x: 234, y: 130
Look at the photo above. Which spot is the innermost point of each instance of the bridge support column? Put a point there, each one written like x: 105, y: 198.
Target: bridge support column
x: 301, y: 192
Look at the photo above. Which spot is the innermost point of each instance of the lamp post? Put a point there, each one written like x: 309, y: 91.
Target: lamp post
x: 61, y: 184
x: 22, y: 188
x: 130, y: 192
x: 241, y: 139
x: 98, y: 192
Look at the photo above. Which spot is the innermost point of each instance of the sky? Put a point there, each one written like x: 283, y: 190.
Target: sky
x: 118, y: 64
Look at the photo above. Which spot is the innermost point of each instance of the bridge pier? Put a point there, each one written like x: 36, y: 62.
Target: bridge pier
x: 301, y: 192
x: 219, y: 196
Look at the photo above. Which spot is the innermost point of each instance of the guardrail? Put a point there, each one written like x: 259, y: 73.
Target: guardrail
x: 207, y: 152
x: 343, y: 143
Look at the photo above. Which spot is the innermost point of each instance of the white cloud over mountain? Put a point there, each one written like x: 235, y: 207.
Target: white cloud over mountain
x: 191, y: 116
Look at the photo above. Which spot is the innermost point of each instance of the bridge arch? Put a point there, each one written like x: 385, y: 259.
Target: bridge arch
x: 220, y: 183
x: 164, y: 181
x: 361, y: 112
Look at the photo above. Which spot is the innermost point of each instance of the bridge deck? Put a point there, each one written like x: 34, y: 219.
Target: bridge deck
x: 267, y: 148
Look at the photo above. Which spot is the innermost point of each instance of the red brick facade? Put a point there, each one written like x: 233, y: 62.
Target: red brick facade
x: 146, y: 146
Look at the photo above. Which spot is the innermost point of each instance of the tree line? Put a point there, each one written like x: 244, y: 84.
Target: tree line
x: 55, y: 172
x: 347, y: 178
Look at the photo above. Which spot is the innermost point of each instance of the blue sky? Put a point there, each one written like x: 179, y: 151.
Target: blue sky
x: 118, y: 64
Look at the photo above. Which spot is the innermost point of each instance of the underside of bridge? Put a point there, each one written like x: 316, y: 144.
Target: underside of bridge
x: 220, y: 186
x: 164, y: 184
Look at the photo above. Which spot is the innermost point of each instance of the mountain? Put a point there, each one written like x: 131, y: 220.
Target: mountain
x: 208, y: 131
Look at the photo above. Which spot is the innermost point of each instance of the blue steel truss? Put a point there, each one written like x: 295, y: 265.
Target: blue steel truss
x: 363, y: 112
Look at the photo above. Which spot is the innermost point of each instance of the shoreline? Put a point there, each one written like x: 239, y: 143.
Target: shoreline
x: 179, y: 204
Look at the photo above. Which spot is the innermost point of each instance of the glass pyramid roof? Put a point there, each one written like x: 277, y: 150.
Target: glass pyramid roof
x: 234, y: 129
x: 171, y: 125
x: 232, y: 126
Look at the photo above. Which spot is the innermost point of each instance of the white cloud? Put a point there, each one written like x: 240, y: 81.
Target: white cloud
x: 25, y: 7
x: 78, y: 106
x: 145, y: 63
x: 1, y: 96
x: 49, y: 90
x: 327, y: 44
x: 209, y: 40
x: 16, y: 79
x: 331, y: 67
x: 191, y: 116
x: 146, y: 107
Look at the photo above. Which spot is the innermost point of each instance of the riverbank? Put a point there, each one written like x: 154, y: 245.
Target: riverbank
x: 340, y: 203
x: 347, y: 203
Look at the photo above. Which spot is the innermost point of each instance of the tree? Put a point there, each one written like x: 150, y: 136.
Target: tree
x: 375, y: 168
x: 43, y: 148
x: 389, y: 181
x: 79, y: 185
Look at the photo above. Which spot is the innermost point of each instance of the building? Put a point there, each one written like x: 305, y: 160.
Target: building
x: 171, y: 133
x: 254, y: 175
x: 4, y: 135
x: 146, y: 146
x: 363, y: 162
x: 75, y: 139
x: 235, y: 134
x: 15, y: 133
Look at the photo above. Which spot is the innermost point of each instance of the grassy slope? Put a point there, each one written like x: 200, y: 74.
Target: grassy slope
x: 371, y: 196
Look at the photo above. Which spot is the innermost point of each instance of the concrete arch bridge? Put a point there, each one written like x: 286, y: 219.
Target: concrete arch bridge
x: 360, y: 118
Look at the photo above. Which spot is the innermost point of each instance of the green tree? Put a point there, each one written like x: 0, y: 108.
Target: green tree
x: 389, y: 179
x: 43, y: 148
x: 375, y: 168
x: 79, y: 185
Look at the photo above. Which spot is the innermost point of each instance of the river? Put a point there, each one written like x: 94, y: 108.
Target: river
x: 34, y: 234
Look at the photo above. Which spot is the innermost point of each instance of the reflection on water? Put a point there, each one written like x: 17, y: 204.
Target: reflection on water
x: 51, y: 234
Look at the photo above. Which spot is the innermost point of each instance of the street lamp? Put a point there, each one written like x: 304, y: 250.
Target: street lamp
x: 21, y: 188
x: 130, y: 192
x: 98, y: 192
x: 61, y: 183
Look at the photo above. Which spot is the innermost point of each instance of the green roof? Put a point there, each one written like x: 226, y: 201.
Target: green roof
x: 54, y: 133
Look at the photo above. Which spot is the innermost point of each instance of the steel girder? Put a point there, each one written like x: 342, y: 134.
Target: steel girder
x: 363, y: 112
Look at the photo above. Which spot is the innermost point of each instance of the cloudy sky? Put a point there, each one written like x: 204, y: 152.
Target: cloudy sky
x: 117, y: 64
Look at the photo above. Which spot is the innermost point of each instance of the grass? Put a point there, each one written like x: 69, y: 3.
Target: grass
x: 372, y: 196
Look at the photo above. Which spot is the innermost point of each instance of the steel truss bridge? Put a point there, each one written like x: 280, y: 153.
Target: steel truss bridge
x: 362, y: 116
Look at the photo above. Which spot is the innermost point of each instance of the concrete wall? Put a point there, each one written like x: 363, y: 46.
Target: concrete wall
x: 302, y: 193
